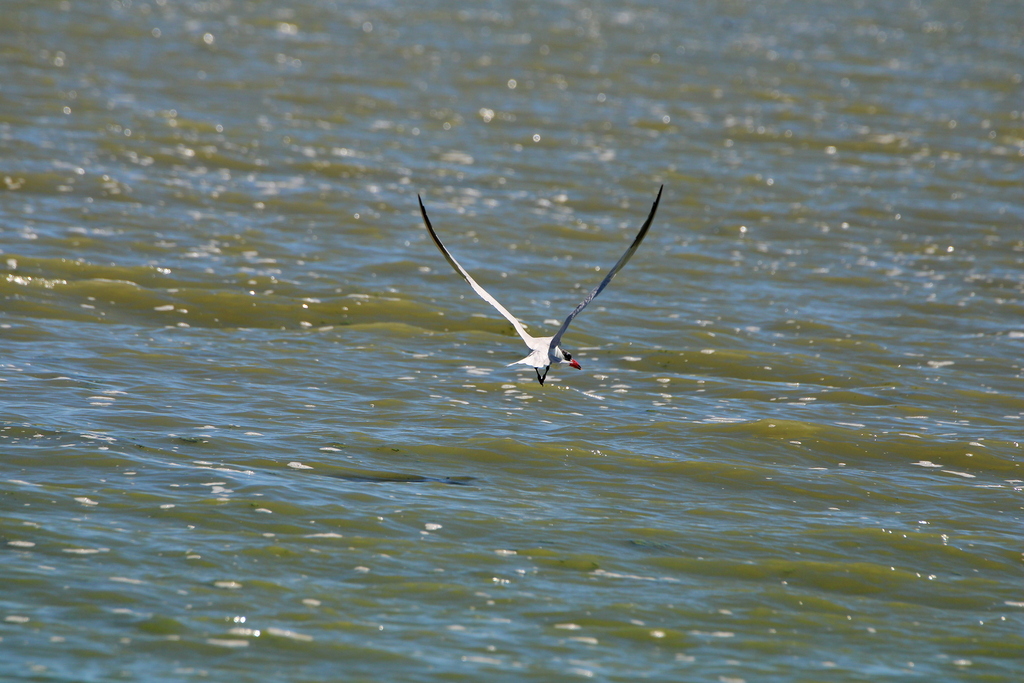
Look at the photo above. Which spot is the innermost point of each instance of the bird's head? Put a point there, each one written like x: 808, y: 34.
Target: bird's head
x: 567, y: 358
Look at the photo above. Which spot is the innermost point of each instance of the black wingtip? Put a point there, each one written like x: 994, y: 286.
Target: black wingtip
x: 423, y: 212
x: 654, y: 210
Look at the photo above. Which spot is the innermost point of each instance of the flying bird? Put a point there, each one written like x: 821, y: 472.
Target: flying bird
x: 544, y: 351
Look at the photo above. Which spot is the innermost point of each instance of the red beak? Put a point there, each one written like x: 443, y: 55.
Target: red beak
x: 574, y: 364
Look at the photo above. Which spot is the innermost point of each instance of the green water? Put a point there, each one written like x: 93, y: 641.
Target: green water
x: 254, y: 428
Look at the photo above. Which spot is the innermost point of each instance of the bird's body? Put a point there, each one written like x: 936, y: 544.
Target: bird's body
x: 543, y: 354
x: 544, y: 351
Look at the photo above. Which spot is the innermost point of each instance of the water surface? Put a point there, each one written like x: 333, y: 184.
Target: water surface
x: 253, y: 427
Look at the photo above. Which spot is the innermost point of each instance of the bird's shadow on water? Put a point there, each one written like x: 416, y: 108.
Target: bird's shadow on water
x: 40, y: 436
x: 369, y: 476
x: 397, y: 478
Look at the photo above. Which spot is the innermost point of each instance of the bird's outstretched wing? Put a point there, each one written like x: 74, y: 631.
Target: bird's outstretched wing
x: 473, y: 283
x: 556, y: 340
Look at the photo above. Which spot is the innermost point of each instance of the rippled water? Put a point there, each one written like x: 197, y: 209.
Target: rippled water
x: 255, y: 428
